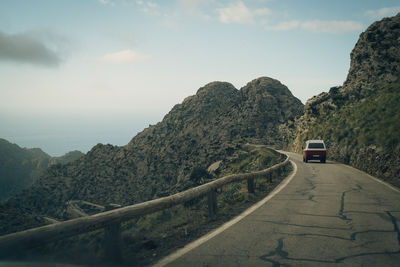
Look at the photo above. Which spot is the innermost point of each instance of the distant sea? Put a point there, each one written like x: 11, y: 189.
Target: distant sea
x: 57, y: 135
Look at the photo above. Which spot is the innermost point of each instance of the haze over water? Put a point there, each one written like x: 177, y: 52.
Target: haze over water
x: 57, y: 135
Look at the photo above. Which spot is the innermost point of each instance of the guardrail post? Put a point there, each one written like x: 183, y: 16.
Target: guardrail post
x: 112, y: 242
x: 212, y: 203
x: 250, y: 185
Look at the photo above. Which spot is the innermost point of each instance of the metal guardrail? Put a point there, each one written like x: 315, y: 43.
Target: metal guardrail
x: 111, y: 220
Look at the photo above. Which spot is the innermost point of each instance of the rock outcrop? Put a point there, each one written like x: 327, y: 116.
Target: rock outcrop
x: 375, y: 59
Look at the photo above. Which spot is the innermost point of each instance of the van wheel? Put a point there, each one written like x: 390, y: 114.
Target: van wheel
x: 323, y: 160
x: 305, y: 160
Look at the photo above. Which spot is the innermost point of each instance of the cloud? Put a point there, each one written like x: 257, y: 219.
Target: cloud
x: 124, y: 56
x: 332, y: 26
x: 195, y: 8
x: 383, y: 12
x: 147, y: 3
x: 194, y: 3
x: 284, y: 26
x: 261, y: 1
x: 144, y: 4
x: 317, y: 26
x: 239, y: 13
x: 151, y: 4
x: 31, y: 47
x: 149, y: 7
x: 107, y: 2
x: 262, y: 12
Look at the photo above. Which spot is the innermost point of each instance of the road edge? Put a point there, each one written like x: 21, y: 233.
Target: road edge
x: 381, y: 181
x: 175, y: 255
x: 394, y: 188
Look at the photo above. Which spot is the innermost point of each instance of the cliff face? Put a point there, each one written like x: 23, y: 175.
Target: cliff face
x: 360, y: 121
x: 203, y: 129
x: 375, y: 59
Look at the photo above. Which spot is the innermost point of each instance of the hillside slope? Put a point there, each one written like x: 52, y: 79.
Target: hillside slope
x: 360, y: 121
x: 20, y: 167
x: 203, y: 129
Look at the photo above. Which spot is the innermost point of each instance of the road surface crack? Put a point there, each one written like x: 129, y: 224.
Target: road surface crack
x: 310, y: 187
x: 342, y: 204
x: 303, y: 225
x: 284, y: 255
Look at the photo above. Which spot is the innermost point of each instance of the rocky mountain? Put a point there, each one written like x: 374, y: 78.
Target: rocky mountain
x: 203, y: 129
x: 359, y: 120
x: 64, y: 159
x: 20, y: 167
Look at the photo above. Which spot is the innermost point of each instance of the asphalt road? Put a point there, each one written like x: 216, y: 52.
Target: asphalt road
x: 327, y: 215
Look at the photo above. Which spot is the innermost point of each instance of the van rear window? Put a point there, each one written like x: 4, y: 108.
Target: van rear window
x: 316, y: 145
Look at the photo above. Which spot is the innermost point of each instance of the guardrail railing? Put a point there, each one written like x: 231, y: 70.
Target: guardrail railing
x: 111, y: 220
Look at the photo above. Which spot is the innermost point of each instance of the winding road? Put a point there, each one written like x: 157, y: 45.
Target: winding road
x: 327, y: 215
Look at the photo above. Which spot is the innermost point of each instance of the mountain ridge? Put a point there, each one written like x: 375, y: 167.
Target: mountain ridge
x: 204, y: 128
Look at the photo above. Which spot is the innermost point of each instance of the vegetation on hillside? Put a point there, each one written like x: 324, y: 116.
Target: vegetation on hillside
x: 21, y: 167
x: 363, y: 133
x: 372, y: 121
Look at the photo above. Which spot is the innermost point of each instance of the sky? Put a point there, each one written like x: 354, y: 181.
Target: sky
x: 75, y: 73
